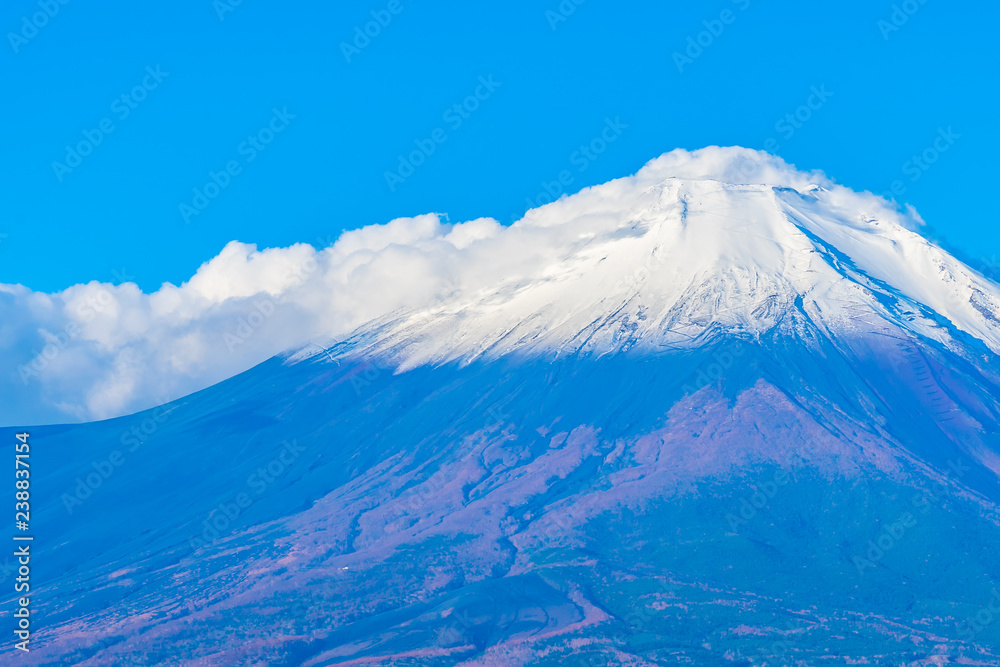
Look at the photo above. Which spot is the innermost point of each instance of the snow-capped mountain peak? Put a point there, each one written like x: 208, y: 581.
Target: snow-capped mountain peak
x: 660, y: 259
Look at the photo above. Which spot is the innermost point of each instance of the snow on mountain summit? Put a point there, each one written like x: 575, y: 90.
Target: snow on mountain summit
x: 724, y: 239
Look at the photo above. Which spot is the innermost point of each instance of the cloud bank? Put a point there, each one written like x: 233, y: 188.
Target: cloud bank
x: 100, y: 350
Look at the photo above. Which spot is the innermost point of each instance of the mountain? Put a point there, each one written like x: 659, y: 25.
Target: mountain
x: 737, y: 418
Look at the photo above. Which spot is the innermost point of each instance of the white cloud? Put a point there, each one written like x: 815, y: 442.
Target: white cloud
x: 99, y: 350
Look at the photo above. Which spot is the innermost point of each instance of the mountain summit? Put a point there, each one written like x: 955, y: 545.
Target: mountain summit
x: 656, y: 261
x: 719, y: 412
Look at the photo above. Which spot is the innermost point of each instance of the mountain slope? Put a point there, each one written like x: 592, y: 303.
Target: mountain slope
x: 730, y: 423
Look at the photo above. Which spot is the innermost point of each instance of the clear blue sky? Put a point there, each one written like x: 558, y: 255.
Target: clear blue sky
x: 893, y: 92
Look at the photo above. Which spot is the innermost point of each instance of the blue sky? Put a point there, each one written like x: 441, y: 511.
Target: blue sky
x: 300, y: 131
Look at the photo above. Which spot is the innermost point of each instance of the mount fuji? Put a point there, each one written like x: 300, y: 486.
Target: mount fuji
x: 737, y: 415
